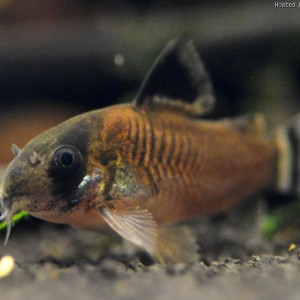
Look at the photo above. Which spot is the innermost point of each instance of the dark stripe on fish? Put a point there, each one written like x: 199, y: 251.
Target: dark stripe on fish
x: 152, y: 142
x: 157, y: 173
x: 165, y: 175
x: 187, y: 152
x: 136, y: 140
x: 179, y: 155
x: 162, y: 144
x: 152, y: 182
x: 170, y: 157
x: 129, y: 129
x: 144, y: 141
x: 192, y: 155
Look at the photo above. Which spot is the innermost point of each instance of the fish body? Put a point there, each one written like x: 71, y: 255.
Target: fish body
x: 163, y: 161
x: 135, y: 168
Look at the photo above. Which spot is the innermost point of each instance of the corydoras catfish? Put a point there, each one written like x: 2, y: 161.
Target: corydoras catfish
x: 142, y: 168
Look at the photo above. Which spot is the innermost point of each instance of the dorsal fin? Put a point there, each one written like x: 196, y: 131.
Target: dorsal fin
x: 177, y: 80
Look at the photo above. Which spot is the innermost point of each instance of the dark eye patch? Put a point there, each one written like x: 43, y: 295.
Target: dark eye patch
x: 68, y: 165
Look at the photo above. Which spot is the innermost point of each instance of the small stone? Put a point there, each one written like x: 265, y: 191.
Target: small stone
x: 7, y: 264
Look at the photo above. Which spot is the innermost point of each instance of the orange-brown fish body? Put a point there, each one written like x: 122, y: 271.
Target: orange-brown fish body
x: 189, y: 167
x: 137, y: 167
x: 180, y: 168
x: 194, y: 167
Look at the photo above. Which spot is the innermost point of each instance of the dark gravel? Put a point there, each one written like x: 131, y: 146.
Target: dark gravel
x: 58, y: 262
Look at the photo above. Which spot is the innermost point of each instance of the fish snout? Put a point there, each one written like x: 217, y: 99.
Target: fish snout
x: 10, y: 196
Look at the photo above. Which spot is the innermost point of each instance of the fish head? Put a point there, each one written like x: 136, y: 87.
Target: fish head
x: 49, y: 176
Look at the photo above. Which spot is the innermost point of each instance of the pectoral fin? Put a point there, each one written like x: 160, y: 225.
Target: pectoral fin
x: 133, y: 224
x: 167, y: 244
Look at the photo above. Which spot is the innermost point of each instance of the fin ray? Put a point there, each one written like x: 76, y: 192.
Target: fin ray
x: 168, y: 244
x: 141, y: 231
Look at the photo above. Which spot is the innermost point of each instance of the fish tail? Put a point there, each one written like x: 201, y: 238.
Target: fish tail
x: 287, y: 138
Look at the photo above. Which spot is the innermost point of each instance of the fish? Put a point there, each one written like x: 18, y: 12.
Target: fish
x: 145, y: 168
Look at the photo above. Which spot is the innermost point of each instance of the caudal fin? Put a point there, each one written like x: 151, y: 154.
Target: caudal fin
x: 288, y: 143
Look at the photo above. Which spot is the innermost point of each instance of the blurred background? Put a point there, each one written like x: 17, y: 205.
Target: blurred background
x: 62, y: 57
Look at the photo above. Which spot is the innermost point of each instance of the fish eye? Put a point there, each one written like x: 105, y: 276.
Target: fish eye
x: 66, y: 159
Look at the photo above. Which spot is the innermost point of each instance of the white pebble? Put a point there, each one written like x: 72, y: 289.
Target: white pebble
x: 7, y: 264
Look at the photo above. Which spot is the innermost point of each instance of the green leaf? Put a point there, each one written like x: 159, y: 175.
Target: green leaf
x: 271, y: 225
x: 16, y: 218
